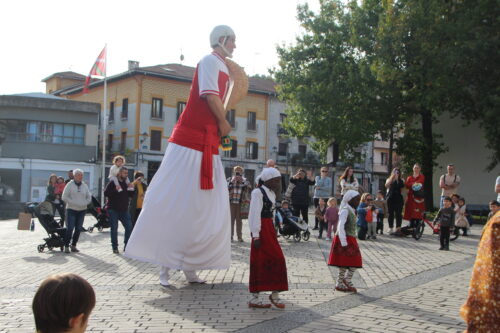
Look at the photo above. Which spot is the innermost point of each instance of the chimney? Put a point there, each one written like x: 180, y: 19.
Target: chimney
x: 132, y: 64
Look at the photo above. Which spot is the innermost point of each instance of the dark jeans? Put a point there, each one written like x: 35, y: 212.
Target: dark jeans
x: 301, y: 209
x: 136, y: 216
x: 380, y: 223
x: 395, y: 208
x: 322, y: 226
x: 444, y: 237
x: 124, y: 218
x: 60, y: 209
x: 74, y: 223
x: 362, y: 232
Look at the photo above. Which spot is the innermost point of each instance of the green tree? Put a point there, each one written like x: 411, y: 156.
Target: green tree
x: 325, y: 82
x: 368, y: 68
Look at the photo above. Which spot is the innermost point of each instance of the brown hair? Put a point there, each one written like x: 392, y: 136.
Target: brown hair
x: 346, y: 174
x: 60, y: 298
x: 363, y: 197
x: 50, y: 178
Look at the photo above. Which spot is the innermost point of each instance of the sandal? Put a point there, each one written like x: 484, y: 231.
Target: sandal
x: 341, y: 288
x: 276, y: 304
x: 259, y: 305
x: 349, y: 287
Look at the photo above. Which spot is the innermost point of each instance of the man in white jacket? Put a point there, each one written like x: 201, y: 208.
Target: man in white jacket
x: 77, y: 196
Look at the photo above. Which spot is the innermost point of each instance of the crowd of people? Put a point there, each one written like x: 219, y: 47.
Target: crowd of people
x: 190, y: 212
x: 71, y: 198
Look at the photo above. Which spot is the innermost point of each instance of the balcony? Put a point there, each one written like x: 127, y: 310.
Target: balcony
x: 282, y: 130
x: 381, y: 144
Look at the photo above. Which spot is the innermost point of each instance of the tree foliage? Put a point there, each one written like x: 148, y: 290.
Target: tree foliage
x: 366, y: 68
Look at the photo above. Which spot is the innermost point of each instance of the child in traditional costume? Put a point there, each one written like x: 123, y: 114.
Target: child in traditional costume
x: 267, y: 263
x: 345, y: 252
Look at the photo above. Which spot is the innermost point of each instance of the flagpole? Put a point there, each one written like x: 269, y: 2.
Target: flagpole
x: 104, y: 124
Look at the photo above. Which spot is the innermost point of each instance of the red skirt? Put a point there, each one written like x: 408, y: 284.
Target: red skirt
x: 349, y: 256
x: 267, y: 264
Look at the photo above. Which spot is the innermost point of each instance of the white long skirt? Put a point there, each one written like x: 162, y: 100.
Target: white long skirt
x: 180, y: 225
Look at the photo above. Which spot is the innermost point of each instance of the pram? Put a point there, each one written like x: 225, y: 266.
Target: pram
x: 45, y: 214
x: 100, y: 214
x: 288, y: 226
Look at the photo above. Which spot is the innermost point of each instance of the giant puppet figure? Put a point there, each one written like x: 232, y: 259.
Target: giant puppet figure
x: 185, y: 220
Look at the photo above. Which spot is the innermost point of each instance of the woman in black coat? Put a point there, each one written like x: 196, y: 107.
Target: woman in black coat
x: 394, y: 185
x: 300, y: 194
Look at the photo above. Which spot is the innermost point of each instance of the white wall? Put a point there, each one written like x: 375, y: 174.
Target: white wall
x: 468, y: 152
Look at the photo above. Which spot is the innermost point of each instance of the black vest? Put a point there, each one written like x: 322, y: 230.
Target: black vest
x: 267, y: 207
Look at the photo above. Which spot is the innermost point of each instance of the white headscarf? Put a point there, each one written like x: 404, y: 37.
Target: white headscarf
x: 348, y: 196
x: 269, y: 173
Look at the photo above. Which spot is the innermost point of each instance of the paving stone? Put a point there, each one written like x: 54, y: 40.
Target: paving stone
x: 129, y: 298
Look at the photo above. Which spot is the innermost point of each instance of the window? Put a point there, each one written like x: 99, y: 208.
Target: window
x: 302, y: 151
x: 157, y: 108
x: 123, y: 141
x: 155, y: 143
x: 234, y: 149
x: 282, y: 117
x: 111, y: 116
x: 252, y: 150
x: 46, y: 132
x: 383, y: 158
x: 228, y: 172
x: 109, y: 144
x: 282, y: 149
x: 250, y: 175
x: 252, y: 121
x: 230, y: 116
x: 180, y: 108
x: 125, y: 108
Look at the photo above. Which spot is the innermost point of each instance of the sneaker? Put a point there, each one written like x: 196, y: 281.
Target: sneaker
x: 115, y: 251
x: 240, y: 240
x: 74, y: 249
x: 66, y: 249
x: 391, y: 231
x: 328, y: 239
x: 374, y: 237
x: 367, y: 237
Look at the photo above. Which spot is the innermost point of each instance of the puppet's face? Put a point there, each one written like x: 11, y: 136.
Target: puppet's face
x: 274, y: 184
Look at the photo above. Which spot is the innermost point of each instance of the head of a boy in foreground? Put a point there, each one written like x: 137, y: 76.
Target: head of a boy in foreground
x: 63, y: 303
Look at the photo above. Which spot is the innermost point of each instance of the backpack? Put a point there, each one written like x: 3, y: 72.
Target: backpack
x: 454, y: 180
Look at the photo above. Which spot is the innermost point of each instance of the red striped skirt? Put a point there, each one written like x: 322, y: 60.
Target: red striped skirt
x: 348, y: 256
x: 267, y: 263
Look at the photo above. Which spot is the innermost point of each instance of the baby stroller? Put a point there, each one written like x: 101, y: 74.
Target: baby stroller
x: 288, y: 226
x: 100, y: 214
x: 45, y: 214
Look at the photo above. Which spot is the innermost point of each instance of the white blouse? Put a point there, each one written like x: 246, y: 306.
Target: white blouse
x: 256, y: 204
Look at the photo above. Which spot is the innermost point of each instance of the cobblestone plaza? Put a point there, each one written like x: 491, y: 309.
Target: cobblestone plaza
x: 405, y: 286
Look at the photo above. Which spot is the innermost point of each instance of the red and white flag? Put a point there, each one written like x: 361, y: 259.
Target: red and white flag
x: 98, y: 70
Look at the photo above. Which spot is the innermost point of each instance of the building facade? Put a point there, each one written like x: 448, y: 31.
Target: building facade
x: 144, y: 104
x: 40, y: 135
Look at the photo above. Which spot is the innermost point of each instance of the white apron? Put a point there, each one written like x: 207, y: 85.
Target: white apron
x: 181, y: 226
